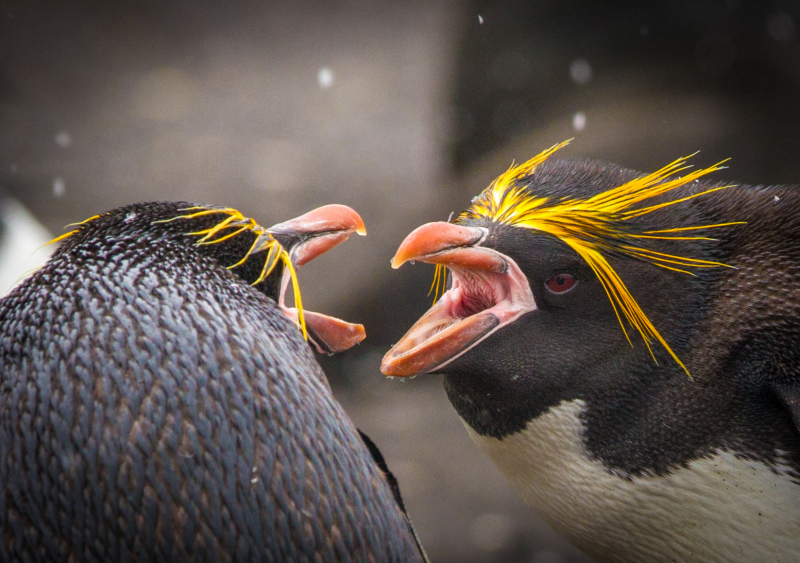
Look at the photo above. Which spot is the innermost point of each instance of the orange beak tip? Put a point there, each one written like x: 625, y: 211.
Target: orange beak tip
x: 434, y: 239
x: 362, y: 230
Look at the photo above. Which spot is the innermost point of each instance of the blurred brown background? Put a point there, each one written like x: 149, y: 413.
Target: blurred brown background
x: 403, y: 110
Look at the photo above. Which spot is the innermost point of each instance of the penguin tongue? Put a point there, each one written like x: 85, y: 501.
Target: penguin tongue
x: 329, y: 334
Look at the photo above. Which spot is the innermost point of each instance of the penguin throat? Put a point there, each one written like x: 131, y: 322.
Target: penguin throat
x: 478, y: 303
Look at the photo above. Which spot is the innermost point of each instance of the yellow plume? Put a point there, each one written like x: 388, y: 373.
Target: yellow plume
x: 237, y: 223
x: 232, y: 225
x: 596, y: 226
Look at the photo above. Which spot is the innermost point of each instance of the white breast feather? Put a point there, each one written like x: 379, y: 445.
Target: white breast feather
x: 719, y: 509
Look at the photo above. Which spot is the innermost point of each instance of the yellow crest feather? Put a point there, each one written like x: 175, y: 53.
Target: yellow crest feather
x: 232, y: 225
x: 596, y: 226
x: 237, y: 223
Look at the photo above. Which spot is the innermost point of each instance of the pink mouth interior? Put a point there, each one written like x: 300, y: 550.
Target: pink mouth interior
x: 478, y: 303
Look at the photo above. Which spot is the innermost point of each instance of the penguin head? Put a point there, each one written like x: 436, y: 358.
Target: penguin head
x: 567, y: 279
x: 265, y: 258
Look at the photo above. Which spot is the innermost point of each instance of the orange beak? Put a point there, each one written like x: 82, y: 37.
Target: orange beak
x: 317, y: 231
x: 449, y: 245
x: 488, y: 292
x: 305, y: 238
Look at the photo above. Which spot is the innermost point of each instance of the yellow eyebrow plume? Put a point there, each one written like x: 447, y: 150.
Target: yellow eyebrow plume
x: 232, y: 225
x: 69, y: 234
x: 237, y: 223
x: 598, y: 226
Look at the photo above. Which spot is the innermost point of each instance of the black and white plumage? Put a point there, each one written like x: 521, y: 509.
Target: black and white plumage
x: 615, y: 446
x: 154, y: 406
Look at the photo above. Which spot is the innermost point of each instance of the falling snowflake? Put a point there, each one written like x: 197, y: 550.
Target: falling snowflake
x: 579, y: 121
x: 580, y: 71
x: 325, y: 77
x: 63, y: 139
x: 59, y: 187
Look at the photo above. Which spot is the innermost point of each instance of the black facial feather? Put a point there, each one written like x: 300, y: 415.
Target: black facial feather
x: 733, y: 328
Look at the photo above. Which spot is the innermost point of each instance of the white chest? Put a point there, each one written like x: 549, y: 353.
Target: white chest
x: 719, y: 509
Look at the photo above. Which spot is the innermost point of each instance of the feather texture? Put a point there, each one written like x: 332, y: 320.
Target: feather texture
x: 603, y: 225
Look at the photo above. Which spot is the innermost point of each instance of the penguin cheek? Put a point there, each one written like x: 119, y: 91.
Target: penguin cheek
x: 549, y: 349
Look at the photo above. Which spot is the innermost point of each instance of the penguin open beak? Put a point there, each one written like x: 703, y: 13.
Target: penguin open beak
x: 488, y: 292
x: 305, y: 238
x: 317, y: 231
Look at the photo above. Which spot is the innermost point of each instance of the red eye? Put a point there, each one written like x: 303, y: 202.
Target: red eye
x: 561, y: 283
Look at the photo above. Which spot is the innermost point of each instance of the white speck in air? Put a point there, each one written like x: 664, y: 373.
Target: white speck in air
x: 777, y: 198
x: 63, y: 139
x: 254, y: 480
x: 579, y: 121
x: 480, y: 19
x: 59, y: 187
x: 580, y: 71
x: 325, y: 77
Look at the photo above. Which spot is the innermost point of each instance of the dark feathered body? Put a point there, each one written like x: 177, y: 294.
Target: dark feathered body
x: 155, y: 407
x: 633, y: 460
x: 623, y: 453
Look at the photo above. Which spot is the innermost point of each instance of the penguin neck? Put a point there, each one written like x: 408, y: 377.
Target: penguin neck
x: 636, y: 418
x: 499, y: 399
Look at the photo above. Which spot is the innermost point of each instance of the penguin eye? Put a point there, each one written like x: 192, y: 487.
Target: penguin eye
x: 561, y: 283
